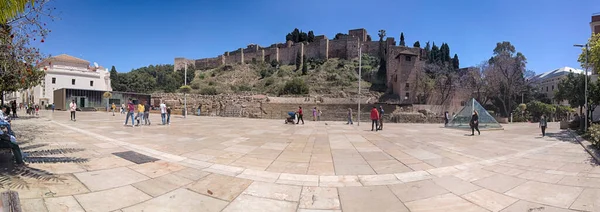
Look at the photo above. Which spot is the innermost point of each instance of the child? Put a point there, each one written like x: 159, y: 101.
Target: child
x: 168, y: 115
x: 319, y: 113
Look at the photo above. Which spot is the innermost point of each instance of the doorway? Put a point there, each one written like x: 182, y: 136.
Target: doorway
x: 81, y: 102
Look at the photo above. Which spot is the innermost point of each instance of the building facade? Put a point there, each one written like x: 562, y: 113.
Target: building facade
x: 547, y: 83
x: 86, y: 98
x: 595, y: 23
x: 64, y: 71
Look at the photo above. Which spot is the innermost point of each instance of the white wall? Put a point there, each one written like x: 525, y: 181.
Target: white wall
x: 64, y: 74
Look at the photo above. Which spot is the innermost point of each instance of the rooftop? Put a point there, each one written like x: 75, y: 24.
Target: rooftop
x: 558, y: 72
x: 69, y: 58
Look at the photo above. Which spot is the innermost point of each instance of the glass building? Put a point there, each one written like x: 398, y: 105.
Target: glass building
x: 94, y: 98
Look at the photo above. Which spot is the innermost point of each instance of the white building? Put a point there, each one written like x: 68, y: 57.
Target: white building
x: 64, y: 71
x: 548, y: 82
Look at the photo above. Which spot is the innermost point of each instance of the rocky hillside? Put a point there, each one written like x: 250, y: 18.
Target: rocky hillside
x: 334, y: 77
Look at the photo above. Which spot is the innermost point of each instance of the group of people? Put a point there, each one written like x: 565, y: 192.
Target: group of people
x: 299, y: 114
x: 143, y: 113
x: 376, y: 118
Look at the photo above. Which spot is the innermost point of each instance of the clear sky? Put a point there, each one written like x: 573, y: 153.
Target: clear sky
x: 134, y: 33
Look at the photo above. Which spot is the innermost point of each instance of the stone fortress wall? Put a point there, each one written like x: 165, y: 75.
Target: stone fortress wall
x: 345, y: 47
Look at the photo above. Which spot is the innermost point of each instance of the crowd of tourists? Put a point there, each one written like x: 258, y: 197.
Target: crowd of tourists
x: 140, y: 113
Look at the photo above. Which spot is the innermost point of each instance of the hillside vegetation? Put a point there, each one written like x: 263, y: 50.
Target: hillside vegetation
x: 320, y: 77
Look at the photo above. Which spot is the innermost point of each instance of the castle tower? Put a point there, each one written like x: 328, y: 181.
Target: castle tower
x: 595, y: 24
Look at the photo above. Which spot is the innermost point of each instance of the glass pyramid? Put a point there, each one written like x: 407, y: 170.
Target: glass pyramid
x: 463, y: 117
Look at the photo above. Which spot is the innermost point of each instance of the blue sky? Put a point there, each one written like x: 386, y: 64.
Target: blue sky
x: 135, y: 33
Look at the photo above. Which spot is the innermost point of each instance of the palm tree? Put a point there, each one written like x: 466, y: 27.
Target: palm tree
x: 11, y: 8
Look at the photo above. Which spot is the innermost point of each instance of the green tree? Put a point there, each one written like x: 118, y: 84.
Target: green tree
x: 402, y: 39
x: 368, y: 37
x: 12, y: 8
x: 572, y: 89
x: 115, y: 84
x: 427, y: 47
x: 21, y: 26
x: 339, y: 36
x: 506, y: 77
x: 593, y: 54
x: 380, y: 83
x: 417, y: 44
x: 185, y: 89
x: 298, y: 60
x: 304, y: 65
x: 455, y: 62
x: 311, y: 36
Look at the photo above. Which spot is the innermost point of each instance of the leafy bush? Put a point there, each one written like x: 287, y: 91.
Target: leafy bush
x: 208, y: 91
x: 195, y: 85
x: 211, y: 83
x: 295, y: 86
x: 593, y: 135
x: 537, y: 109
x: 266, y: 72
x: 185, y: 89
x: 244, y: 87
x: 201, y: 76
x: 269, y: 81
x: 274, y: 63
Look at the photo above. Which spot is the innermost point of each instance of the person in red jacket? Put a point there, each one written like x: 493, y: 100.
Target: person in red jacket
x: 374, y: 119
x: 300, y: 115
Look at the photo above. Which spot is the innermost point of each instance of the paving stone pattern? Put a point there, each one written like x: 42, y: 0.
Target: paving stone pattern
x: 234, y: 164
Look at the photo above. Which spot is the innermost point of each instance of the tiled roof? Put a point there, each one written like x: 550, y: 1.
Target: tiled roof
x: 69, y: 58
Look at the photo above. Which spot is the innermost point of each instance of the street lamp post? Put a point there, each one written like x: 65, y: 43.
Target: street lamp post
x: 184, y: 94
x: 359, y: 76
x: 586, y: 79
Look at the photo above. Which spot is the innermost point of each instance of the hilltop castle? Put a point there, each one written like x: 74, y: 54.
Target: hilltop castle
x: 403, y: 63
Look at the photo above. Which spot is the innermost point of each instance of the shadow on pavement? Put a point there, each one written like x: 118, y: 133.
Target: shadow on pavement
x: 563, y: 136
x: 13, y: 176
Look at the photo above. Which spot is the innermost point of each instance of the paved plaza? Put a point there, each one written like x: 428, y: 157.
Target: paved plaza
x: 235, y: 164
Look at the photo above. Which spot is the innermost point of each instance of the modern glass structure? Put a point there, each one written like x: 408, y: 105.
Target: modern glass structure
x: 94, y: 98
x: 463, y: 118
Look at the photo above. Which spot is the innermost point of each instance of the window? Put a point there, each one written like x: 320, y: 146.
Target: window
x: 546, y: 88
x: 407, y: 58
x: 407, y: 85
x: 53, y: 80
x: 72, y: 81
x: 553, y: 87
x: 91, y: 83
x: 406, y: 96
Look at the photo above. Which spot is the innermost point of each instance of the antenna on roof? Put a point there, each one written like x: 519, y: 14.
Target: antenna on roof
x: 95, y: 64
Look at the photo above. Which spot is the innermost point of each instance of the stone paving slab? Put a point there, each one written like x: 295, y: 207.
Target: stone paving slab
x: 231, y: 164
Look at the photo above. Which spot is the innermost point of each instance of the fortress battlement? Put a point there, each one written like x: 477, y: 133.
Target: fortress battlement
x: 344, y: 46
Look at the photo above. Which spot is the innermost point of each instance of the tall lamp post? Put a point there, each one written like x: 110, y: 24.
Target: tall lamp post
x: 586, y: 79
x: 184, y: 94
x: 359, y: 76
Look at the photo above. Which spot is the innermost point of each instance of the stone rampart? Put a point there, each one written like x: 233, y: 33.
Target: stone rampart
x: 345, y: 47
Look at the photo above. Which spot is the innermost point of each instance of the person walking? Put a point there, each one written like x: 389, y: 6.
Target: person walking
x: 122, y: 108
x: 374, y: 119
x: 147, y: 114
x: 13, y: 105
x: 113, y: 107
x: 300, y: 116
x: 475, y: 123
x: 130, y: 111
x: 543, y: 125
x: 73, y: 108
x: 350, y: 116
x: 163, y: 112
x: 168, y: 115
x: 53, y: 107
x: 314, y: 111
x: 319, y: 113
x: 380, y: 117
x: 446, y: 118
x: 140, y: 113
x: 199, y: 109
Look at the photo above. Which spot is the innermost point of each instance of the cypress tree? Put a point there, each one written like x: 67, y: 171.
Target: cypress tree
x: 402, y: 39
